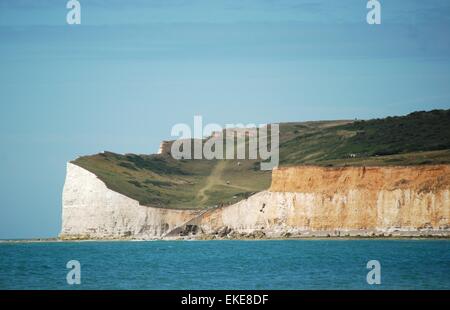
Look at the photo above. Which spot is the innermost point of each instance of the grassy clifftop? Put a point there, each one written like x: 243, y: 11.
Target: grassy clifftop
x: 161, y: 181
x: 391, y: 140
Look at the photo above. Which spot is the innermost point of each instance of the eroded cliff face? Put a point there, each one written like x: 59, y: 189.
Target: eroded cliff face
x: 344, y: 201
x: 302, y: 201
x: 92, y: 211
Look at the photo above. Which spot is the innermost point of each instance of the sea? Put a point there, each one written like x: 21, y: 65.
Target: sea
x: 229, y: 265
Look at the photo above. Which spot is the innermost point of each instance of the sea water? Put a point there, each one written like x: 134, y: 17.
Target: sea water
x: 283, y: 264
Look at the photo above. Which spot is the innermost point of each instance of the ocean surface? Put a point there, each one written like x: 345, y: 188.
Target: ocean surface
x: 284, y: 264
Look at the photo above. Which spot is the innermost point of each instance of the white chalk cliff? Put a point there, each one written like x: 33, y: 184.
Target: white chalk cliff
x: 92, y: 211
x: 302, y: 201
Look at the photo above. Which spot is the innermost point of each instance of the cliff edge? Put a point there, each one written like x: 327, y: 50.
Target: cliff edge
x: 302, y: 201
x: 345, y: 201
x: 93, y: 211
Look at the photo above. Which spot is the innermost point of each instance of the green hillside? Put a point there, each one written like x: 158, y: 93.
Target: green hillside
x: 161, y: 181
x: 388, y: 140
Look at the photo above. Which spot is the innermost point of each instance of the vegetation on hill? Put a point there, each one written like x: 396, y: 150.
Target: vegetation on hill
x: 161, y: 181
x: 356, y: 142
x: 418, y: 131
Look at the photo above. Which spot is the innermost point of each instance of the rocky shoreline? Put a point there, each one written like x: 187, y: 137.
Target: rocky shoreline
x: 250, y: 236
x: 228, y: 234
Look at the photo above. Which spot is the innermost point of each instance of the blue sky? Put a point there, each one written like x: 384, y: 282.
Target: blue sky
x: 133, y: 69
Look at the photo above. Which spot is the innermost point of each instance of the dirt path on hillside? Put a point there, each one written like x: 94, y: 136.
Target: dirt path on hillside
x: 215, y: 178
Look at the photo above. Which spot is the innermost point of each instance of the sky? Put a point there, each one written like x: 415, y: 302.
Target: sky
x: 134, y: 68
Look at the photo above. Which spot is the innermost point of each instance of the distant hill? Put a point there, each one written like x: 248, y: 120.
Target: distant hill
x: 161, y: 181
x: 356, y: 143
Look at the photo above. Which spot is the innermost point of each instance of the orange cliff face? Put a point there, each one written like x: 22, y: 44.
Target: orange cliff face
x: 368, y: 198
x: 347, y: 201
x: 326, y: 180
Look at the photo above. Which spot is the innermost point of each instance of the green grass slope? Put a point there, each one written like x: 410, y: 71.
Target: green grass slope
x: 161, y: 181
